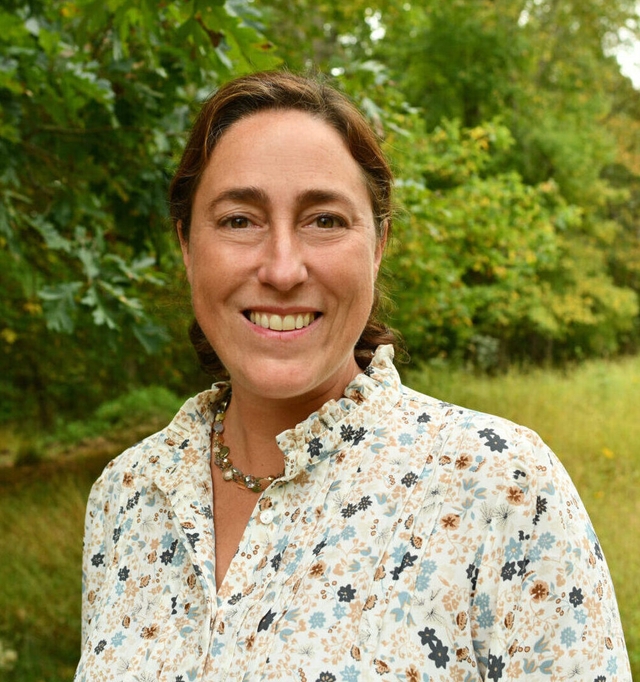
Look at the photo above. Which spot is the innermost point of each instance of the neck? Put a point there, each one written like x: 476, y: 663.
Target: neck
x: 253, y: 422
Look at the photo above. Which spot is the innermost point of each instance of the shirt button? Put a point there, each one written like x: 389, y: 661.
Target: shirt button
x: 266, y: 516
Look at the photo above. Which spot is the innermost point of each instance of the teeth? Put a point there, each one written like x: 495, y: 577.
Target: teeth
x: 279, y: 323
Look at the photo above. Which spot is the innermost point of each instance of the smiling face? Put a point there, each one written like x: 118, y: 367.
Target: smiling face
x: 282, y: 256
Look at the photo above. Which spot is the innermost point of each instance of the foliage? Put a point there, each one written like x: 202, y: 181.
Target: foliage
x: 139, y: 406
x: 515, y: 140
x: 513, y: 240
x: 497, y: 263
x: 95, y: 101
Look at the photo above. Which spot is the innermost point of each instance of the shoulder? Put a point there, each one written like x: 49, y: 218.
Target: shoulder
x: 157, y: 455
x: 485, y: 446
x: 468, y: 427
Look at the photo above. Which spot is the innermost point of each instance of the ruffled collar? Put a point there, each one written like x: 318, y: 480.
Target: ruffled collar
x: 336, y: 425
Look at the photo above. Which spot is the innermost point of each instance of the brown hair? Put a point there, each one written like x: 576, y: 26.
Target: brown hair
x: 271, y: 90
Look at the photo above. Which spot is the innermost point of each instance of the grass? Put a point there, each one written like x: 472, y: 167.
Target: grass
x: 590, y: 416
x: 42, y: 503
x: 40, y: 541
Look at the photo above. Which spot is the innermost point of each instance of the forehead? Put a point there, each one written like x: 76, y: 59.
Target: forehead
x: 283, y: 148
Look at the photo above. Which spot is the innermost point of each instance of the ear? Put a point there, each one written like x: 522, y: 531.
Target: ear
x: 184, y: 247
x: 381, y: 244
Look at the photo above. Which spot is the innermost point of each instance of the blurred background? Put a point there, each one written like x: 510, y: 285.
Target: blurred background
x: 513, y: 127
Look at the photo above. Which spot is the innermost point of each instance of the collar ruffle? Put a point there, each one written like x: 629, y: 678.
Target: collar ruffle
x: 336, y: 425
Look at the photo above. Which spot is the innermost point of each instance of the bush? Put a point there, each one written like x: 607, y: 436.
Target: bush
x: 151, y: 404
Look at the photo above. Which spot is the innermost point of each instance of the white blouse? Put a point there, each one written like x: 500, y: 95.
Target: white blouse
x: 409, y: 539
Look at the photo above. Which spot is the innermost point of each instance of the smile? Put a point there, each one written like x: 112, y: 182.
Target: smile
x: 280, y: 323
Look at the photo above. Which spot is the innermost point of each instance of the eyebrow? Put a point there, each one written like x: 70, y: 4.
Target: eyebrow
x: 250, y: 195
x: 257, y: 196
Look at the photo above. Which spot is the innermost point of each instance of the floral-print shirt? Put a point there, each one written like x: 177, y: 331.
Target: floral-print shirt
x: 409, y: 539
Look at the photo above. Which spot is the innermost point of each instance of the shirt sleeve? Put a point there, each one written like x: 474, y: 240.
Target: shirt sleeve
x: 554, y: 606
x: 95, y: 550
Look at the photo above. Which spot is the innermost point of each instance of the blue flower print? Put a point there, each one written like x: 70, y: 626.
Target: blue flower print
x: 547, y: 540
x: 339, y: 611
x: 334, y: 540
x: 293, y: 564
x: 117, y: 639
x: 166, y: 541
x: 317, y: 620
x: 350, y: 674
x: 348, y: 533
x: 513, y: 550
x: 580, y: 616
x: 427, y: 568
x: 485, y: 618
x: 405, y: 439
x: 398, y: 553
x: 180, y: 555
x: 216, y: 648
x: 535, y: 553
x: 482, y: 601
x: 568, y: 637
x: 282, y: 544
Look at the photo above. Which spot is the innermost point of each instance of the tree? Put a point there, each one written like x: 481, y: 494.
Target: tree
x: 95, y: 101
x: 539, y: 73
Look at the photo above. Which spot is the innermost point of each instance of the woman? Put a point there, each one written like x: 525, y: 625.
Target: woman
x: 310, y: 518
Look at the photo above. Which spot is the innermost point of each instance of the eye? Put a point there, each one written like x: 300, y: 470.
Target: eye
x: 328, y: 220
x: 236, y: 222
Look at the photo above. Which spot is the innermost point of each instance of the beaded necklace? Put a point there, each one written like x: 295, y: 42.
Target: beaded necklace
x: 220, y: 453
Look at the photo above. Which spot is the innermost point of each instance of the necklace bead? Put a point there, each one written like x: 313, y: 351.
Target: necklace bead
x: 220, y: 454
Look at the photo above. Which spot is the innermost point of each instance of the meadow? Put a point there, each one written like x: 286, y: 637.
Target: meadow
x: 590, y: 416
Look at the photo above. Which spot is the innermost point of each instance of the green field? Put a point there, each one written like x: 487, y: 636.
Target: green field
x: 590, y: 416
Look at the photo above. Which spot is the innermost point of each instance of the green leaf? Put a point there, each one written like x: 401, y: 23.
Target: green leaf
x: 59, y: 305
x: 152, y: 337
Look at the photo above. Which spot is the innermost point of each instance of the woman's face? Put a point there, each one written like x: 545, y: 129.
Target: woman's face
x: 282, y: 256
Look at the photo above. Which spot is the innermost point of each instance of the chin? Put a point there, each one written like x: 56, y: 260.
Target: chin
x: 288, y: 379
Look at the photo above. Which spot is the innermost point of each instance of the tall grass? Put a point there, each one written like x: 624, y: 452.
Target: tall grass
x: 40, y: 545
x: 41, y: 524
x: 590, y: 416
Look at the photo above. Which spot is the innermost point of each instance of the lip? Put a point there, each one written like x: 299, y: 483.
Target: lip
x: 294, y: 320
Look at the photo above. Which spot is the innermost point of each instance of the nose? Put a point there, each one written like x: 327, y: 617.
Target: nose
x: 283, y: 263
